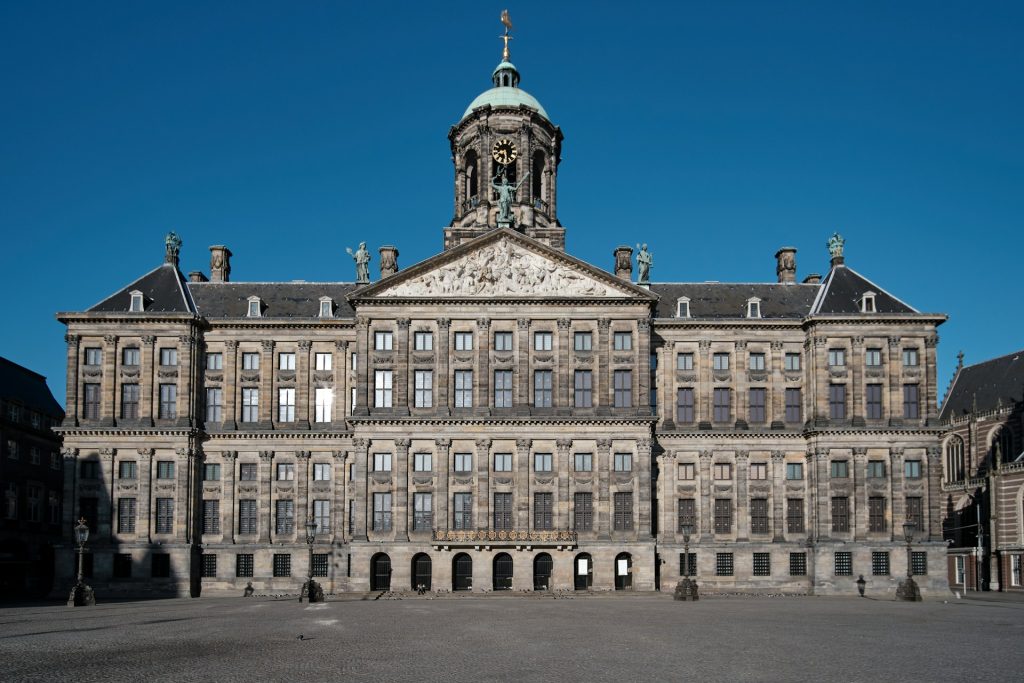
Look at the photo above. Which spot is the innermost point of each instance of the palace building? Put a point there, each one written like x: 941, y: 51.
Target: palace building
x: 502, y: 415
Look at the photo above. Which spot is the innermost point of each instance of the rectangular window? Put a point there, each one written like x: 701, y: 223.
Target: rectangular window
x: 250, y: 361
x: 542, y: 341
x: 843, y: 563
x: 687, y: 471
x: 915, y: 512
x: 623, y: 462
x: 247, y: 471
x: 214, y: 404
x: 165, y: 469
x: 762, y: 564
x: 130, y: 401
x: 208, y: 565
x: 122, y: 565
x: 423, y: 396
x: 873, y: 401
x: 248, y: 521
x: 837, y: 401
x: 321, y: 471
x: 502, y: 388
x: 214, y: 361
x: 622, y: 341
x: 541, y: 388
x: 211, y: 472
x: 423, y: 511
x: 912, y: 469
x: 684, y: 361
x: 795, y: 515
x: 919, y: 565
x: 502, y: 341
x: 759, y: 516
x: 910, y: 358
x: 794, y: 471
x: 583, y: 341
x: 324, y: 361
x: 463, y: 341
x: 282, y: 565
x: 623, y: 388
x: 541, y: 462
x: 623, y: 511
x: 382, y: 388
x: 876, y: 469
x: 723, y: 564
x: 286, y: 471
x: 463, y: 462
x: 840, y: 514
x: 583, y: 381
x: 164, y: 515
x: 911, y: 404
x: 211, y: 517
x: 463, y: 388
x: 880, y: 563
x: 758, y: 471
x: 285, y: 516
x: 324, y: 405
x: 792, y: 362
x: 383, y: 341
x: 836, y: 358
x: 91, y: 402
x: 463, y: 510
x: 684, y: 405
x: 542, y: 516
x: 757, y: 405
x: 382, y: 462
x: 876, y: 513
x: 722, y: 398
x: 798, y: 564
x: 723, y: 515
x: 720, y: 362
x: 722, y: 471
x: 322, y: 516
x: 11, y: 504
x: 756, y: 361
x: 840, y: 469
x: 502, y: 511
x: 422, y: 462
x: 126, y: 469
x: 793, y: 406
x: 583, y: 511
x: 126, y: 516
x: 584, y: 462
x: 168, y: 401
x: 686, y: 513
x: 320, y: 562
x: 168, y: 356
x: 502, y: 462
x: 130, y: 356
x: 873, y: 358
x: 250, y: 405
x: 423, y: 341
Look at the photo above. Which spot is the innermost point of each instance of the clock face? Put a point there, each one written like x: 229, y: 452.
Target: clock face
x: 504, y: 151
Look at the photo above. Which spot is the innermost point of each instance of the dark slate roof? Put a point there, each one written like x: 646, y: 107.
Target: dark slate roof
x: 280, y: 299
x: 20, y: 383
x: 163, y: 290
x: 985, y: 385
x: 729, y: 300
x: 841, y: 293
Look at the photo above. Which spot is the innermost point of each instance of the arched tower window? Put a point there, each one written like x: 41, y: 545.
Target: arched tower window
x: 955, y: 459
x: 537, y: 177
x: 472, y: 179
x: 1002, y: 447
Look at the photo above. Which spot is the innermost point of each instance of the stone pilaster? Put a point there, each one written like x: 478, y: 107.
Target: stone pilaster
x: 303, y: 381
x: 266, y: 495
x: 184, y: 494
x: 896, y: 493
x: 231, y: 385
x: 775, y: 401
x: 144, y: 510
x: 643, y: 479
x: 603, y: 400
x: 105, y: 512
x: 303, y: 504
x: 71, y: 415
x: 267, y: 371
x: 109, y: 381
x: 931, y: 511
x: 667, y: 499
x: 339, y: 506
x: 820, y: 373
x: 186, y: 372
x: 894, y: 372
x: 705, y: 495
x: 363, y: 398
x: 443, y: 400
x: 562, y: 375
x: 666, y: 370
x: 778, y: 496
x: 341, y: 366
x: 400, y: 402
x: 739, y: 372
x: 563, y: 469
x: 482, y: 402
x: 860, y: 501
x: 148, y: 389
x: 522, y: 497
x: 442, y: 520
x: 522, y: 368
x: 603, y: 502
x: 856, y: 409
x: 821, y: 493
x: 643, y: 366
x: 483, y: 483
x: 69, y: 513
x: 229, y: 497
x: 361, y: 485
x: 401, y: 514
x: 742, y: 505
x: 704, y: 386
x: 929, y: 409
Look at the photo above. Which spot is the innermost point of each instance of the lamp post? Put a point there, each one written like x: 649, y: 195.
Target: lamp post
x: 81, y: 594
x: 907, y: 588
x: 311, y: 589
x: 687, y: 588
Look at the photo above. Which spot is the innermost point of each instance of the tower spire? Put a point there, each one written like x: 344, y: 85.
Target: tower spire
x: 508, y: 28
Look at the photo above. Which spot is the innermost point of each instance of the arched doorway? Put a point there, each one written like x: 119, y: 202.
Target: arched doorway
x: 583, y: 572
x: 623, y: 571
x: 542, y: 572
x: 503, y: 572
x: 421, y: 570
x: 462, y: 572
x: 380, y: 572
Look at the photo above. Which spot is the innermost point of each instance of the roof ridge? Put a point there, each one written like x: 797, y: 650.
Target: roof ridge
x: 994, y: 359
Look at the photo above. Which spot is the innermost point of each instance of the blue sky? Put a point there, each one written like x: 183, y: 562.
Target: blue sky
x: 715, y: 132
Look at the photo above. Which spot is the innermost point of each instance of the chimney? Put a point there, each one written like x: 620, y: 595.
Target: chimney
x: 812, y: 279
x: 785, y: 267
x: 624, y: 262
x: 220, y: 263
x: 388, y: 261
x: 197, y: 276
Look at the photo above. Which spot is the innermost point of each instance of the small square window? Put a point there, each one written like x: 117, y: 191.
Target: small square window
x: 836, y: 357
x: 584, y: 462
x: 583, y: 341
x: 683, y: 308
x: 623, y: 462
x: 844, y: 563
x: 792, y: 362
x: 255, y: 309
x: 243, y: 565
x: 383, y: 341
x: 723, y: 471
x: 321, y: 471
x: 840, y: 469
x: 165, y: 469
x: 798, y: 564
x: 463, y: 462
x: 324, y: 361
x: 919, y: 564
x: 758, y: 471
x: 753, y: 309
x: 422, y: 462
x: 762, y: 564
x: 382, y: 462
x: 622, y: 341
x: 723, y: 564
x: 541, y: 462
x: 910, y: 358
x: 873, y: 358
x: 130, y: 356
x: 502, y: 341
x: 757, y: 362
x: 876, y: 469
x: 326, y: 308
x: 282, y: 565
x: 137, y: 304
x: 168, y: 357
x: 126, y: 469
x: 423, y: 341
x: 542, y: 341
x: 720, y: 361
x: 684, y: 361
x: 250, y: 361
x: 211, y: 472
x: 794, y: 471
x: 208, y: 566
x: 286, y: 361
x: 463, y: 341
x: 912, y: 469
x: 502, y: 462
x: 880, y: 563
x: 285, y: 471
x: 215, y: 361
x: 687, y: 471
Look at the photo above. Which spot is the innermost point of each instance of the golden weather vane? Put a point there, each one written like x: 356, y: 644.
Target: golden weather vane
x: 508, y: 27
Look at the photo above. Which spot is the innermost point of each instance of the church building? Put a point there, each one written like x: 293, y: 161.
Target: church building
x: 503, y: 415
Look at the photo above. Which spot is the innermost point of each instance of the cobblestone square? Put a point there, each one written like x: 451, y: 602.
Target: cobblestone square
x: 512, y: 638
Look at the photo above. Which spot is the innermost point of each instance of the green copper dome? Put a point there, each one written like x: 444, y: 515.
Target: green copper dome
x: 506, y: 92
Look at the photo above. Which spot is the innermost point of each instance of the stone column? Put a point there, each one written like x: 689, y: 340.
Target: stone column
x: 931, y: 508
x: 521, y: 372
x: 562, y: 375
x: 363, y: 401
x: 643, y: 478
x: 340, y: 368
x: 360, y: 486
x: 856, y: 410
x: 644, y: 369
x: 443, y: 401
x: 895, y: 399
x: 705, y: 495
x: 775, y: 402
x: 821, y: 382
x: 742, y: 499
x: 929, y: 411
x: 778, y: 496
x: 401, y: 516
x: 267, y: 384
x: 109, y: 380
x: 602, y: 389
x: 739, y: 373
x: 229, y: 497
x: 563, y: 470
x: 186, y: 371
x: 483, y: 495
x: 860, y: 501
x: 71, y: 416
x: 896, y: 493
x: 523, y: 483
x: 266, y: 495
x: 303, y: 381
x: 821, y: 493
x: 400, y: 404
x: 603, y: 501
x: 147, y: 388
x: 482, y: 402
x: 442, y: 522
x: 704, y: 385
x: 230, y: 385
x: 340, y: 506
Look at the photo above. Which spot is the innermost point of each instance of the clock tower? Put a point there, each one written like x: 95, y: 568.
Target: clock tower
x: 506, y: 153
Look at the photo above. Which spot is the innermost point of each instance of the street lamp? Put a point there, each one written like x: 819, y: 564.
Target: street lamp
x: 311, y: 589
x: 81, y: 594
x: 687, y: 588
x: 907, y: 588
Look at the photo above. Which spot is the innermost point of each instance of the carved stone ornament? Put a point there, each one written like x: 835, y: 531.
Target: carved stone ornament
x: 524, y: 444
x: 248, y: 488
x: 584, y: 360
x: 686, y: 377
x: 132, y: 374
x: 778, y: 456
x: 543, y: 359
x: 501, y: 269
x: 443, y: 443
x: 622, y: 359
x: 249, y: 377
x: 286, y: 375
x: 167, y: 374
x: 503, y: 360
x: 423, y: 359
x: 604, y: 444
x: 214, y: 377
x: 145, y: 452
x: 323, y: 376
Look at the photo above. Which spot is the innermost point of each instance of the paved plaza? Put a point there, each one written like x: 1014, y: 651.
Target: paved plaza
x: 512, y: 638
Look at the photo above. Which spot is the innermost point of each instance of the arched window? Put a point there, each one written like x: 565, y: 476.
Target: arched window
x: 462, y: 572
x: 472, y: 179
x: 537, y: 180
x: 955, y: 459
x: 542, y: 566
x: 421, y: 570
x: 380, y: 572
x: 583, y: 571
x: 623, y: 572
x: 503, y: 572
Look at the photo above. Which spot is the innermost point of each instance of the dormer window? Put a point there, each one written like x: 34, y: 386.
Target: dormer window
x: 683, y: 307
x: 754, y: 308
x: 136, y: 305
x: 255, y: 307
x: 867, y: 303
x: 326, y: 307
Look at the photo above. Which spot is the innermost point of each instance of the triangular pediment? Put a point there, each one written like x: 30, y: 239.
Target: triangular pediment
x: 503, y: 265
